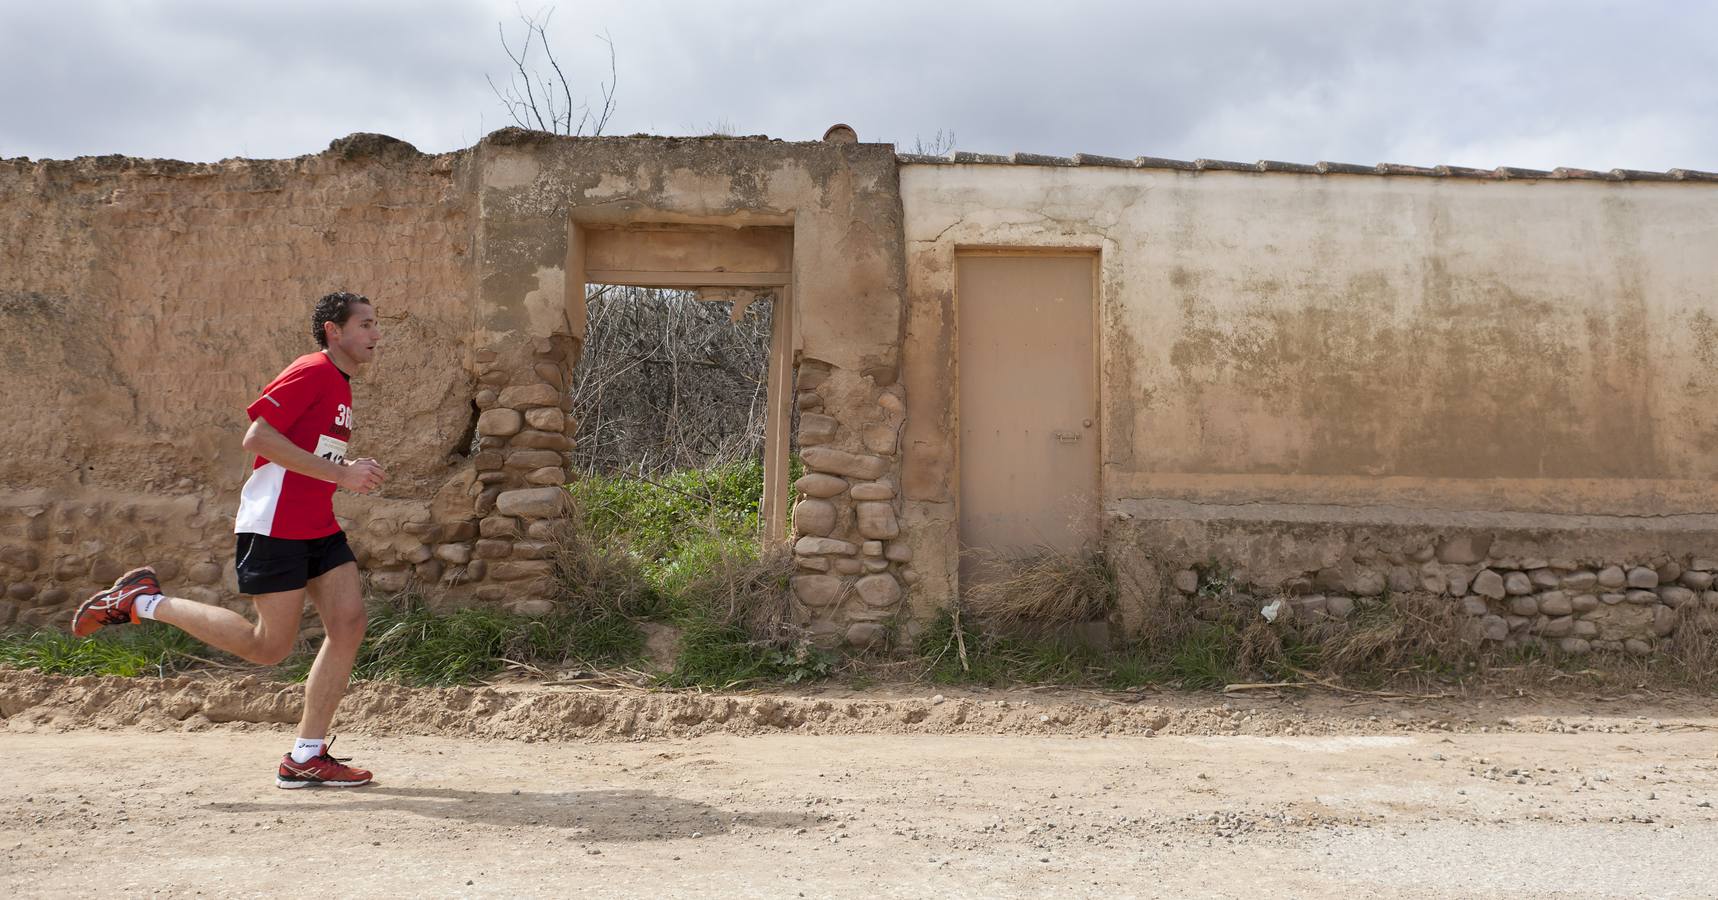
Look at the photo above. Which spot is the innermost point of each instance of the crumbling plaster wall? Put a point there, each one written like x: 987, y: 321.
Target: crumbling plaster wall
x: 1316, y: 372
x: 1320, y: 377
x: 843, y: 204
x: 144, y: 303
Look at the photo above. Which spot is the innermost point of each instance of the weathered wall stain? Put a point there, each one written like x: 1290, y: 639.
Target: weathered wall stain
x: 1482, y: 379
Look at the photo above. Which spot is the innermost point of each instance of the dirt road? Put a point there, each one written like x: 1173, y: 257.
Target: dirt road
x: 1593, y: 804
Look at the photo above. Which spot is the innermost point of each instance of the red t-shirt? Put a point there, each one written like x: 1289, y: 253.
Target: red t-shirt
x: 310, y: 403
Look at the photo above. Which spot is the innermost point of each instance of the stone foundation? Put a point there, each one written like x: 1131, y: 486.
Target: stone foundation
x: 1576, y: 583
x: 1513, y: 602
x: 56, y: 551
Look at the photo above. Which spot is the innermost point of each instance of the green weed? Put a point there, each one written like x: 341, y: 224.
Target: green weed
x: 147, y: 648
x: 411, y: 644
x: 691, y: 538
x: 717, y: 654
x: 654, y: 517
x: 1204, y: 658
x: 682, y: 548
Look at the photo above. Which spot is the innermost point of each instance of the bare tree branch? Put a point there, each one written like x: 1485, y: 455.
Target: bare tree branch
x: 566, y: 91
x: 527, y: 102
x: 607, y: 89
x: 512, y: 107
x: 541, y: 97
x: 939, y: 144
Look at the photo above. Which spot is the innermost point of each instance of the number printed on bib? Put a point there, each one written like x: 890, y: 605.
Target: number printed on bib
x: 332, y: 449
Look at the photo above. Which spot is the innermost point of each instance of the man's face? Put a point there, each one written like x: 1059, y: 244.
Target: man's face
x: 359, y: 336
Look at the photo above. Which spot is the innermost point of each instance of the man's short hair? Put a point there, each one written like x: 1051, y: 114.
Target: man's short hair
x: 336, y: 308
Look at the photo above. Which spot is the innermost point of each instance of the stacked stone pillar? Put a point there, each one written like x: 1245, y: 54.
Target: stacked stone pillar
x: 518, y: 494
x: 850, y: 559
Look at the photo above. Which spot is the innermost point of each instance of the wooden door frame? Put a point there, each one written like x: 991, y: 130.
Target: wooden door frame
x: 785, y: 344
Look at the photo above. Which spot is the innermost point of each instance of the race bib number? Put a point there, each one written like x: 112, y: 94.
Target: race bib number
x: 332, y: 449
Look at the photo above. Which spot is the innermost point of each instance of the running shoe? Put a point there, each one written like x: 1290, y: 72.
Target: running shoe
x: 322, y: 769
x: 115, y: 606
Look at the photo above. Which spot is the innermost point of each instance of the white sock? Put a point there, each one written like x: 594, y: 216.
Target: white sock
x: 145, y: 606
x: 304, y: 749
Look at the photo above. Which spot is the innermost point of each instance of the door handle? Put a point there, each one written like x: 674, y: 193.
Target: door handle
x: 1068, y: 437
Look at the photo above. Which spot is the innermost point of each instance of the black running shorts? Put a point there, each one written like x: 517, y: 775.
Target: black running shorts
x: 270, y: 565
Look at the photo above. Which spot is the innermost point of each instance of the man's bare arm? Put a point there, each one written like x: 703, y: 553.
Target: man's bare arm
x: 361, y: 476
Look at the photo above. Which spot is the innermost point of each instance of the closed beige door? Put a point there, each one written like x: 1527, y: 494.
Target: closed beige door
x: 1028, y: 402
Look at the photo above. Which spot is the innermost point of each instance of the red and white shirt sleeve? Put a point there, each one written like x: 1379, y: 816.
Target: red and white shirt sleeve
x: 311, y: 404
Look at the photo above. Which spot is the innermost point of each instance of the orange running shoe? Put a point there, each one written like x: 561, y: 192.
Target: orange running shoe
x: 114, y: 606
x: 322, y: 769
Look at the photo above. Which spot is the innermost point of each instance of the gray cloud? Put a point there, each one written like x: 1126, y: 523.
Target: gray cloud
x: 1528, y: 82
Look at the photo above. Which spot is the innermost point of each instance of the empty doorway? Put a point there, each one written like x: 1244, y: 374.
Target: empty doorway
x: 732, y: 263
x: 1027, y: 401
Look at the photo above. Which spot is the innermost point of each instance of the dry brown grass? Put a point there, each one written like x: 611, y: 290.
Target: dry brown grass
x: 596, y: 577
x: 749, y: 590
x: 1261, y: 650
x: 1042, y: 592
x: 1396, y: 638
x: 1409, y: 641
x: 1172, y: 618
x: 1694, y: 649
x: 1393, y: 636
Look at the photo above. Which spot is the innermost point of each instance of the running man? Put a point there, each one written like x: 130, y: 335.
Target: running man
x: 288, y: 542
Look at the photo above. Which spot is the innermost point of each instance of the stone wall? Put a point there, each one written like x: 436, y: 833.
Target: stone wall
x: 1574, y: 606
x: 56, y: 551
x: 146, y: 302
x: 495, y: 529
x: 1520, y: 579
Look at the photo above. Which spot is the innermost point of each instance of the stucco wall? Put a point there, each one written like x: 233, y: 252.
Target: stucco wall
x: 144, y: 303
x: 1337, y: 380
x: 1277, y: 344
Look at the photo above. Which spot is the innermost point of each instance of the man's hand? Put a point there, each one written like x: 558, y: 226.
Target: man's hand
x: 361, y: 476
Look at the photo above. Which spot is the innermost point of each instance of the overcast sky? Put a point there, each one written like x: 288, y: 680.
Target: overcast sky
x: 1587, y: 83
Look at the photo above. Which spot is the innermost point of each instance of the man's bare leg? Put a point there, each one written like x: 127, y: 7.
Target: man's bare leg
x: 339, y: 599
x: 338, y: 596
x: 266, y: 642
